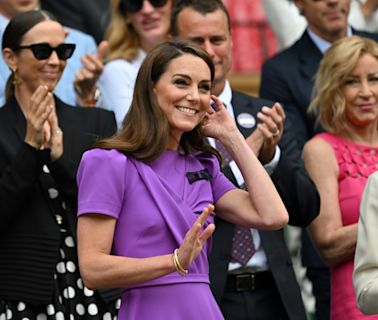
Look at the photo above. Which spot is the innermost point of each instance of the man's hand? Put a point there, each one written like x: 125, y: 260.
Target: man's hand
x: 264, y: 139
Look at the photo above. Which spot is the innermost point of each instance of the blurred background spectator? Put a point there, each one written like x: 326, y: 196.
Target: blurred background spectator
x: 91, y: 17
x: 288, y: 24
x: 253, y: 38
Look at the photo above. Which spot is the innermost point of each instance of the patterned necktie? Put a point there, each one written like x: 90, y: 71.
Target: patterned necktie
x: 243, y: 247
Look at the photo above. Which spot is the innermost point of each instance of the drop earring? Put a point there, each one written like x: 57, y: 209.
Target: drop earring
x: 16, y: 79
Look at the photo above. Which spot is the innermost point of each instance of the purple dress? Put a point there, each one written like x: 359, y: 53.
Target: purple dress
x: 155, y: 205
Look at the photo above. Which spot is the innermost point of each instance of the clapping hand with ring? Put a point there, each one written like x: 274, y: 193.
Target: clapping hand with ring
x: 270, y: 131
x: 56, y: 136
x: 42, y: 129
x: 37, y: 114
x: 276, y: 133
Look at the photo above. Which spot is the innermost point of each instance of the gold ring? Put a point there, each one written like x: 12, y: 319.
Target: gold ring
x: 276, y: 133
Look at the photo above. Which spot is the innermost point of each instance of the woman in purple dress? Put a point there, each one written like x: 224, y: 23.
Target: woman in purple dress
x: 147, y: 196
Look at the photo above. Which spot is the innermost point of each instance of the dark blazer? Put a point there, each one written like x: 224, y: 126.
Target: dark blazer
x: 301, y: 200
x: 91, y: 17
x: 288, y: 78
x: 29, y: 234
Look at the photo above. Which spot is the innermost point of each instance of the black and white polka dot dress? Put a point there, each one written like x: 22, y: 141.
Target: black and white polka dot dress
x: 70, y: 299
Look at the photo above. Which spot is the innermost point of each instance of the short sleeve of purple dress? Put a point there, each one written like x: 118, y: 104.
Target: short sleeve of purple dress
x: 155, y: 204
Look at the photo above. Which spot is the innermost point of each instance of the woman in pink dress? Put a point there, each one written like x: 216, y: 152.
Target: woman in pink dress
x: 340, y: 160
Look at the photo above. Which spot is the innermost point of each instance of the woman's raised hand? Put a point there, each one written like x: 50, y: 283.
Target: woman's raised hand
x: 195, y: 238
x: 218, y: 121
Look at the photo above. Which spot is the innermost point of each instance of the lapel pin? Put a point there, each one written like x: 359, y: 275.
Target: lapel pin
x: 246, y: 120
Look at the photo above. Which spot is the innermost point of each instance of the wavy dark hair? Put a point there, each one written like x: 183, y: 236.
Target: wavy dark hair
x: 15, y: 31
x: 145, y: 131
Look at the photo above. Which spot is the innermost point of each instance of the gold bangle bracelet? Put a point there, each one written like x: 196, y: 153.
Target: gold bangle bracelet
x: 175, y: 264
x: 181, y: 271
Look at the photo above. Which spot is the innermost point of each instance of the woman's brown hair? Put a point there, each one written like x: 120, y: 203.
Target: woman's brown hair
x: 145, y: 130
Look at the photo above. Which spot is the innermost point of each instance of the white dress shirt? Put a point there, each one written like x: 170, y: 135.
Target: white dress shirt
x: 258, y: 260
x: 117, y: 84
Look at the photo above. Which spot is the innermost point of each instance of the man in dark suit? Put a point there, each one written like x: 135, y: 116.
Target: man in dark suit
x: 288, y: 77
x: 265, y: 287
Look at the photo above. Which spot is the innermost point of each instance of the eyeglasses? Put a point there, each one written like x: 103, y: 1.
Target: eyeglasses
x: 133, y: 6
x: 42, y: 51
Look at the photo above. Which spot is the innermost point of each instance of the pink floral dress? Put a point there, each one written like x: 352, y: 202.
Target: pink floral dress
x: 356, y: 162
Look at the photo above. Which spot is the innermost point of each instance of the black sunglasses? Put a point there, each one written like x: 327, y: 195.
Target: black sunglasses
x: 42, y: 51
x: 133, y: 6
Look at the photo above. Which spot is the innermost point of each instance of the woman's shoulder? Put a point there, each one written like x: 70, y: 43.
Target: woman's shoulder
x: 319, y: 148
x: 117, y: 64
x: 95, y: 120
x: 325, y: 142
x: 99, y: 153
x: 327, y: 136
x: 103, y: 157
x: 319, y: 142
x: 101, y: 162
x: 124, y: 64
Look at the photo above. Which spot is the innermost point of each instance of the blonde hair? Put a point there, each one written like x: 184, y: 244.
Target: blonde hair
x: 123, y: 39
x: 337, y: 64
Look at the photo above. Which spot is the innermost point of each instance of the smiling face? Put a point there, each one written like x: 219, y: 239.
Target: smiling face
x: 151, y: 24
x: 327, y: 18
x: 31, y: 71
x: 360, y: 91
x: 183, y: 93
x: 211, y: 32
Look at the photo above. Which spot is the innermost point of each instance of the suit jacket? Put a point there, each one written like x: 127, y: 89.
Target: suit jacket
x: 29, y: 234
x: 91, y: 17
x: 288, y: 78
x: 365, y: 276
x: 301, y: 200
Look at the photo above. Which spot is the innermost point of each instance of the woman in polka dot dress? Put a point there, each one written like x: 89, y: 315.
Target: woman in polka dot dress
x: 41, y: 143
